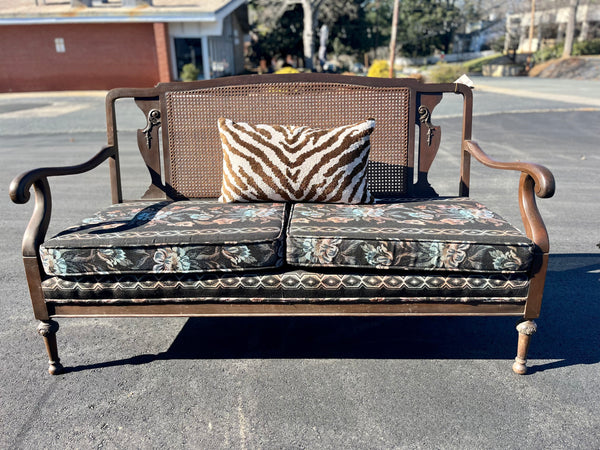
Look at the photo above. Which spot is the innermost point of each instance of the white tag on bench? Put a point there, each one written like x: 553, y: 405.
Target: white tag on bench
x: 464, y: 79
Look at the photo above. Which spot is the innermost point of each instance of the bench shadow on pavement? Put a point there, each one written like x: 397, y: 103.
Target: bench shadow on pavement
x: 567, y: 331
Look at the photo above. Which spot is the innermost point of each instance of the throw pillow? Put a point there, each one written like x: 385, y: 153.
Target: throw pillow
x: 295, y: 163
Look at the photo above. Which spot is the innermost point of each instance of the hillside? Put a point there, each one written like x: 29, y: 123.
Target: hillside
x: 582, y: 68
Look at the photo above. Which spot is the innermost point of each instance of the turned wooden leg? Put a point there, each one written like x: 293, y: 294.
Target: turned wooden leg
x: 47, y: 329
x: 526, y: 328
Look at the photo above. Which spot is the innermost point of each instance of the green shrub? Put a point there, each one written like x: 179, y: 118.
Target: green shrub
x: 591, y: 47
x: 497, y: 44
x: 548, y: 53
x: 476, y: 65
x: 445, y: 73
x: 189, y: 72
x: 379, y: 69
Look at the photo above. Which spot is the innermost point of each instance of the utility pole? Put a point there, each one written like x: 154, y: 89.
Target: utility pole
x: 393, y: 37
x: 531, y: 26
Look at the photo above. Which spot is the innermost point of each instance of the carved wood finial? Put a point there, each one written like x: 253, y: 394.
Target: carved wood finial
x: 425, y: 118
x: 153, y: 120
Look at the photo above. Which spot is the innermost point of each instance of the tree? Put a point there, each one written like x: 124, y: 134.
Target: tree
x: 357, y: 26
x: 348, y: 30
x: 430, y: 25
x: 393, y: 37
x: 570, y: 31
x: 274, y: 12
x: 423, y: 25
x: 310, y: 9
x: 275, y: 36
x: 327, y: 12
x: 378, y: 18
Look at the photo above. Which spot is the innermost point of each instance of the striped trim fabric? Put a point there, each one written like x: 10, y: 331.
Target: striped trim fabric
x: 295, y: 163
x: 280, y: 285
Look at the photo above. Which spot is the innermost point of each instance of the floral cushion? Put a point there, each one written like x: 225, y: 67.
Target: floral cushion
x: 447, y: 235
x: 295, y: 163
x: 170, y: 237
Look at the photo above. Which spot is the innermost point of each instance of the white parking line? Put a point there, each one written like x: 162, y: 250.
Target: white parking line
x: 53, y: 110
x: 522, y: 111
x: 539, y: 95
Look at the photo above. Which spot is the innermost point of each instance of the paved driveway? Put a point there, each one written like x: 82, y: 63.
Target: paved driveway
x: 315, y: 382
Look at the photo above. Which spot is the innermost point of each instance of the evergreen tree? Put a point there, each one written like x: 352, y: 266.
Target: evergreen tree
x: 356, y: 26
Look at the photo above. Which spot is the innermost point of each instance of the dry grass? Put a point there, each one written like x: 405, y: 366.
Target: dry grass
x: 539, y: 68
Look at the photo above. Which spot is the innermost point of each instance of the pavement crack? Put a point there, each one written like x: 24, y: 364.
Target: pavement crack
x: 35, y: 411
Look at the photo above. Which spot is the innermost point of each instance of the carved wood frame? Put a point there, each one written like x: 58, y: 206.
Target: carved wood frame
x: 534, y: 180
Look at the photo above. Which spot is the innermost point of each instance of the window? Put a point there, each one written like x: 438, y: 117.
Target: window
x: 59, y: 43
x: 189, y: 50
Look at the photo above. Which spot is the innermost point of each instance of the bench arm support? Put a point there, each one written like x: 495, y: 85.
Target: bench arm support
x: 535, y: 179
x: 38, y: 178
x: 21, y: 184
x: 542, y: 177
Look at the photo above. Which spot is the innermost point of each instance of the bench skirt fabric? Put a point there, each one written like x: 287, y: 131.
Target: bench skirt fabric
x: 289, y: 286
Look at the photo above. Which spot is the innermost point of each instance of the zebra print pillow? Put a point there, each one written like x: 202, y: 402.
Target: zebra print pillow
x: 295, y: 163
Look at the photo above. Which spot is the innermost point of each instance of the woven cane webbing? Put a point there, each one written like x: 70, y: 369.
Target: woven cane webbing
x: 195, y: 146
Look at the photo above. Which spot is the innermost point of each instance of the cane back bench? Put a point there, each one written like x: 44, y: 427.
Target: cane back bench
x: 179, y: 251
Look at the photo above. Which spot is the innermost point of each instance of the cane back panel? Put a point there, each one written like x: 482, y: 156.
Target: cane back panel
x: 195, y: 155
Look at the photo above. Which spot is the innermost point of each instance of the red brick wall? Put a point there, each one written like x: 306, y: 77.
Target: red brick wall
x: 161, y: 40
x: 97, y: 56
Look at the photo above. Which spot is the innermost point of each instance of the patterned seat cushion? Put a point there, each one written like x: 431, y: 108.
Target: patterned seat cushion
x: 170, y: 237
x: 444, y: 235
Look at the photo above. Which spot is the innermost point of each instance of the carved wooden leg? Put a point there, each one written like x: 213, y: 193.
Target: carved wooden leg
x: 526, y: 328
x: 47, y: 329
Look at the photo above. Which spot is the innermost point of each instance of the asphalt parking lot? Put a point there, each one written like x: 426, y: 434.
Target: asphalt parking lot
x: 315, y: 382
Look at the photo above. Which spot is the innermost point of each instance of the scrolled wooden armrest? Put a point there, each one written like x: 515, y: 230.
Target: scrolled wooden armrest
x: 21, y: 184
x: 38, y: 179
x: 542, y: 177
x: 535, y: 180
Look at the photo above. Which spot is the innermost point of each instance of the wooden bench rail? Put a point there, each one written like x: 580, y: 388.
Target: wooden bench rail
x: 21, y: 184
x: 543, y: 178
x: 534, y: 178
x: 19, y: 192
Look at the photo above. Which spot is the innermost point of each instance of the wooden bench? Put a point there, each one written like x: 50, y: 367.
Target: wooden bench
x: 282, y: 243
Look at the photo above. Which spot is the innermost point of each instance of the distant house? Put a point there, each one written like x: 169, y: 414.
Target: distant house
x: 477, y: 36
x: 550, y: 24
x: 101, y: 44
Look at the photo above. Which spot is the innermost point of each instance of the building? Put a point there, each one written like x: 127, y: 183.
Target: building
x: 550, y: 23
x: 58, y: 45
